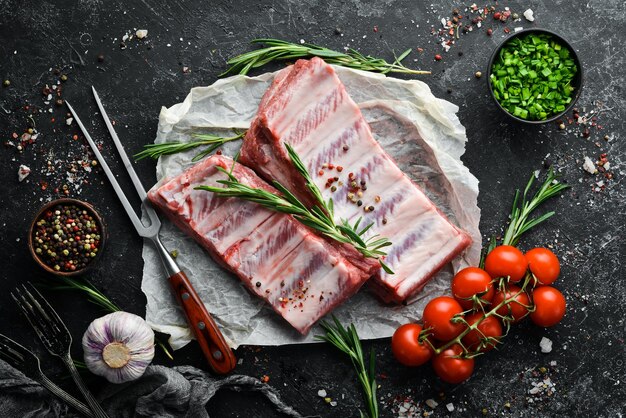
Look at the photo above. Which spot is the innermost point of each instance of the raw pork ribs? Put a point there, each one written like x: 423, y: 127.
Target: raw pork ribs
x: 308, y: 107
x: 299, y: 274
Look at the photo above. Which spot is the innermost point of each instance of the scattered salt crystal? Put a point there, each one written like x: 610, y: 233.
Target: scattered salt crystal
x: 589, y: 166
x: 443, y: 22
x: 301, y: 41
x: 607, y: 166
x: 69, y: 121
x: 545, y: 344
x: 141, y: 33
x: 431, y: 403
x: 553, y: 363
x: 321, y: 393
x: 518, y: 29
x: 125, y: 38
x: 529, y: 15
x: 333, y: 403
x: 23, y: 172
x: 534, y: 390
x: 450, y: 407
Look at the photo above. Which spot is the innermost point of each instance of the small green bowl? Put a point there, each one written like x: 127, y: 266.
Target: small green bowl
x: 577, y: 82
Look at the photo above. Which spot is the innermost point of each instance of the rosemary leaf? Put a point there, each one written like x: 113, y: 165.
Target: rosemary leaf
x: 279, y: 50
x: 522, y: 209
x: 167, y: 148
x: 348, y: 342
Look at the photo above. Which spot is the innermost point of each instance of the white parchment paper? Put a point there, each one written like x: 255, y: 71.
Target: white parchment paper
x: 420, y: 131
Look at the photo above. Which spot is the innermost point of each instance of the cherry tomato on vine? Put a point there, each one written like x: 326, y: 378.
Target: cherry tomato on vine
x: 470, y: 282
x: 407, y: 348
x: 544, y: 265
x: 549, y: 306
x: 488, y: 327
x: 506, y: 260
x: 450, y: 368
x: 518, y: 306
x: 437, y: 315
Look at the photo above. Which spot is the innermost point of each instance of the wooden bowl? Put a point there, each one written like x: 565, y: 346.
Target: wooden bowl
x: 81, y: 205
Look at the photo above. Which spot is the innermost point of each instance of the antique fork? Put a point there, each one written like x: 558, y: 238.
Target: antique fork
x: 211, y: 340
x: 53, y: 334
x: 25, y: 361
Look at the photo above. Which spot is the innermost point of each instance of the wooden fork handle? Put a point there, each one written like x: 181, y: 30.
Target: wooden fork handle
x: 212, y: 342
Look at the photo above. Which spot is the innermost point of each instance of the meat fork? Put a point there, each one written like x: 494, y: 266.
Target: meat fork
x: 217, y: 352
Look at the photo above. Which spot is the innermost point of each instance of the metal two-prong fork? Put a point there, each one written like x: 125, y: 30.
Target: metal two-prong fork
x: 28, y: 363
x: 209, y: 337
x: 54, y: 335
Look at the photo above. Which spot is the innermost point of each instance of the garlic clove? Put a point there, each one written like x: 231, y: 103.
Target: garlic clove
x: 118, y: 346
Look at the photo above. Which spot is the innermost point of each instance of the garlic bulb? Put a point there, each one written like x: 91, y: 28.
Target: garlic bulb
x: 118, y: 346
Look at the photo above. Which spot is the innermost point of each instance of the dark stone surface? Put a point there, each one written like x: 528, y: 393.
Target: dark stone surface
x: 587, y: 233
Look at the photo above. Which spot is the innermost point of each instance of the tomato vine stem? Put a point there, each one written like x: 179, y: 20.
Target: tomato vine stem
x: 474, y: 327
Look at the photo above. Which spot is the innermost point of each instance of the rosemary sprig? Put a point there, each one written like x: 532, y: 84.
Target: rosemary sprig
x: 97, y: 297
x: 278, y: 50
x: 519, y: 222
x: 166, y: 148
x: 347, y: 340
x: 319, y: 217
x: 521, y: 210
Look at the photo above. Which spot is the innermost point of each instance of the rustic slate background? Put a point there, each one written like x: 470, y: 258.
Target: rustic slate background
x: 586, y: 364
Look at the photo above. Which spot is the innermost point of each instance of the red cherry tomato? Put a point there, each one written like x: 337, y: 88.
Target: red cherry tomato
x: 549, y: 306
x: 451, y: 369
x: 437, y: 315
x: 407, y: 348
x: 516, y: 307
x: 470, y: 282
x: 487, y: 327
x: 504, y: 261
x: 544, y: 265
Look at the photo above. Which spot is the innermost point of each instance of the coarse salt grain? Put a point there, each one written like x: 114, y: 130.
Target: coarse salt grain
x: 321, y: 393
x: 529, y: 15
x: 545, y: 344
x: 589, y: 166
x: 141, y: 33
x: 450, y: 407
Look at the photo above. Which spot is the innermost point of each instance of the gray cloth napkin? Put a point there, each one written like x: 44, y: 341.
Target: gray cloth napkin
x: 164, y: 392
